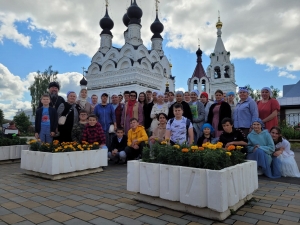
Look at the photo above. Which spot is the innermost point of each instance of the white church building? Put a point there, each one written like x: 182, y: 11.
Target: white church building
x: 220, y: 74
x: 133, y: 66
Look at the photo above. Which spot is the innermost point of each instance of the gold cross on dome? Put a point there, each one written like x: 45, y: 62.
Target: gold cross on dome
x: 156, y: 4
x: 83, y: 70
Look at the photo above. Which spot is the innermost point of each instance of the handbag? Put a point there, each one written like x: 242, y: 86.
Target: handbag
x: 111, y: 129
x: 62, y: 119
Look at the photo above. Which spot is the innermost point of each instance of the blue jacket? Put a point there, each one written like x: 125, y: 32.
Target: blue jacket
x: 53, y: 119
x: 106, y: 115
x: 244, y: 113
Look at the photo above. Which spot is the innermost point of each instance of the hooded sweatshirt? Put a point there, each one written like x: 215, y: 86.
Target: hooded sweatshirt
x: 139, y: 134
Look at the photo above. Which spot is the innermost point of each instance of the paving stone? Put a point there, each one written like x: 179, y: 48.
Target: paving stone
x: 147, y: 206
x: 43, y: 210
x: 22, y: 211
x: 106, y: 214
x: 103, y: 221
x: 59, y: 216
x: 281, y: 216
x: 3, y: 200
x: 170, y: 212
x: 87, y: 208
x: 148, y: 212
x: 173, y: 219
x: 11, y: 218
x: 151, y: 220
x: 56, y: 198
x: 292, y: 214
x: 244, y: 219
x: 111, y: 196
x: 127, y: 221
x: 30, y: 204
x: 91, y: 196
x: 290, y: 209
x: 24, y: 223
x: 71, y: 203
x: 90, y: 202
x: 38, y: 199
x: 264, y: 217
x: 287, y: 222
x: 127, y: 213
x: 18, y: 199
x: 127, y: 206
x: 198, y: 219
x: 50, y: 222
x: 36, y: 218
x: 66, y: 209
x: 261, y: 222
x: 107, y: 207
x: 83, y: 215
x: 109, y: 201
x: 76, y: 221
x: 75, y: 197
x: 228, y: 221
x: 51, y: 204
x: 10, y: 205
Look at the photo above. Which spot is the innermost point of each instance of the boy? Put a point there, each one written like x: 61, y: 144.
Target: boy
x: 136, y: 138
x: 78, y: 128
x: 93, y: 131
x: 118, y: 145
x: 45, y: 121
x: 179, y: 129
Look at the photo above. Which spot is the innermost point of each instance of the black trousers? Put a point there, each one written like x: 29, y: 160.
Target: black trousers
x: 132, y: 153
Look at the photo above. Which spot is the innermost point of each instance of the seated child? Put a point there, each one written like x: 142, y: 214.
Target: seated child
x: 160, y: 131
x: 117, y: 147
x: 284, y: 153
x: 93, y: 131
x: 207, y: 131
x: 78, y: 128
x: 136, y: 138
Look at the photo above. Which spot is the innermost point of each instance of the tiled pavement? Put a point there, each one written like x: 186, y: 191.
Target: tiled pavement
x: 102, y: 199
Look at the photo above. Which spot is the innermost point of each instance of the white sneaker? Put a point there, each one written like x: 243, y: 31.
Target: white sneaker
x: 259, y: 171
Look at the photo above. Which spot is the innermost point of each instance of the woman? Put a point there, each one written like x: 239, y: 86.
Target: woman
x: 245, y: 111
x: 268, y: 108
x: 159, y: 132
x: 284, y: 153
x: 217, y: 112
x: 198, y: 113
x: 261, y: 148
x: 159, y: 107
x: 70, y: 110
x: 143, y: 101
x: 187, y: 97
x: 230, y: 100
x: 206, y: 103
x: 132, y: 109
x: 232, y: 136
x: 83, y: 102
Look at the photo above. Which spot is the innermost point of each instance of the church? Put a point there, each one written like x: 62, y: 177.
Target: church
x: 133, y: 66
x: 220, y: 73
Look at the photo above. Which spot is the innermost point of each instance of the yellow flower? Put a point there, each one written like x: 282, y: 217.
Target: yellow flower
x: 176, y: 146
x: 228, y: 153
x: 213, y: 147
x: 88, y: 149
x: 167, y: 139
x: 194, y: 147
x: 239, y: 147
x: 163, y: 142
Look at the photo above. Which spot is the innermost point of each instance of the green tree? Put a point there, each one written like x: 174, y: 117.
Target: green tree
x: 1, y: 117
x: 40, y: 86
x: 275, y: 91
x: 22, y: 122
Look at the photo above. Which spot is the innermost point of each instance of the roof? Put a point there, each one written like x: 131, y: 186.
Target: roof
x: 219, y: 46
x: 289, y: 101
x: 199, y: 70
x: 291, y: 90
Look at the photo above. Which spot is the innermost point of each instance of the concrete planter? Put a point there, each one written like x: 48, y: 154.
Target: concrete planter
x: 11, y: 152
x: 46, y: 163
x: 203, y: 192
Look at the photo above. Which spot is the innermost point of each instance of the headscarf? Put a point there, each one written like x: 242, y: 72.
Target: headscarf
x: 156, y: 92
x: 258, y: 120
x: 204, y: 94
x: 69, y: 92
x: 207, y: 125
x: 196, y: 92
x: 269, y: 90
x: 160, y: 94
x: 230, y: 93
x: 245, y: 89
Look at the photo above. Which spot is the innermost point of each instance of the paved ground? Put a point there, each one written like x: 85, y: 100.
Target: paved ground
x: 102, y: 199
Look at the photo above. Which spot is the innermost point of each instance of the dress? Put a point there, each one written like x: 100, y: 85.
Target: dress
x: 266, y: 109
x: 215, y: 120
x: 289, y: 166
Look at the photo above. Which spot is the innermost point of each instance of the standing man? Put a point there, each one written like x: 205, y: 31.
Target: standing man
x: 94, y: 101
x: 126, y: 96
x: 171, y: 99
x: 147, y: 112
x: 149, y: 96
x: 55, y: 99
x: 118, y: 106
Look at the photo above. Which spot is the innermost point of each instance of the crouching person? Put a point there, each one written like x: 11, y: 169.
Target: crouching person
x: 117, y: 147
x: 93, y: 132
x: 136, y: 140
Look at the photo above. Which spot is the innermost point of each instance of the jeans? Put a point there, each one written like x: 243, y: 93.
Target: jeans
x: 45, y: 134
x: 120, y: 155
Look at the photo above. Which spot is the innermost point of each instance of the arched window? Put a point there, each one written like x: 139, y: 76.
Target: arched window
x: 203, y: 86
x: 226, y: 72
x: 217, y: 73
x: 195, y: 87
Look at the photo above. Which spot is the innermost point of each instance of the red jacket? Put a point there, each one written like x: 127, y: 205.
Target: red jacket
x: 93, y: 134
x: 118, y: 112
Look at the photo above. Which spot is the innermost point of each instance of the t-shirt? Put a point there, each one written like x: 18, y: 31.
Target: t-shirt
x: 178, y: 130
x: 266, y: 109
x: 45, y: 117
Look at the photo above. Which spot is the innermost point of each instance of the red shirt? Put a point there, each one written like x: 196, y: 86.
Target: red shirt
x: 266, y: 109
x: 93, y: 134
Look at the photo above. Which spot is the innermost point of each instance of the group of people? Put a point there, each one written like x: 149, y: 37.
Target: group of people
x: 131, y: 119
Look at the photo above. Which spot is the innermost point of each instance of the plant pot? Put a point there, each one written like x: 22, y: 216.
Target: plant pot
x: 169, y: 182
x: 133, y: 176
x: 4, y: 152
x: 149, y: 179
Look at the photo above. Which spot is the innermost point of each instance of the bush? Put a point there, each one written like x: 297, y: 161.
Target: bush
x: 14, y: 141
x: 289, y: 132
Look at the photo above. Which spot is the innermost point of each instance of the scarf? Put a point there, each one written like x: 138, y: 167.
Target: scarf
x: 82, y: 103
x: 219, y: 102
x: 131, y: 104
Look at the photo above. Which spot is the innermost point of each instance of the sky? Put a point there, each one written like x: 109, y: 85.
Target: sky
x: 262, y: 37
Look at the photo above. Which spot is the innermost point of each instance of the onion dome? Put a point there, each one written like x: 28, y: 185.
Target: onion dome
x: 126, y: 20
x: 199, y: 52
x: 83, y: 82
x: 157, y: 28
x: 134, y: 13
x: 106, y: 24
x: 219, y: 24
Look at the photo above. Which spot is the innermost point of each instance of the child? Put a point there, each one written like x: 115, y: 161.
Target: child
x: 284, y: 153
x: 93, y: 131
x: 78, y: 128
x: 207, y: 131
x: 45, y: 121
x: 179, y: 129
x: 118, y: 145
x: 136, y: 138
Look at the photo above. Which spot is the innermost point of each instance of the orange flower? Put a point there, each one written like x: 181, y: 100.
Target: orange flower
x: 201, y: 148
x: 230, y: 147
x: 185, y: 150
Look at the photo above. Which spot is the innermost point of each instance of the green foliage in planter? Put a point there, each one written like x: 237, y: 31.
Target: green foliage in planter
x: 210, y: 156
x: 288, y: 131
x: 14, y: 141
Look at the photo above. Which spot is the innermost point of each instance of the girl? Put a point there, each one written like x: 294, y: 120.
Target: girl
x: 207, y: 131
x: 284, y: 153
x: 160, y: 130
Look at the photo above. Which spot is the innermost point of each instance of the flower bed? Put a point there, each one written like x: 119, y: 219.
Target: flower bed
x: 227, y: 182
x: 10, y: 149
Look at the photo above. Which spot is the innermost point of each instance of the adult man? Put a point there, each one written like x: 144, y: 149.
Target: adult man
x: 118, y: 106
x: 149, y: 96
x: 171, y: 99
x: 126, y: 96
x: 166, y: 98
x: 148, y: 110
x: 55, y: 99
x: 120, y: 98
x: 185, y: 106
x: 94, y: 101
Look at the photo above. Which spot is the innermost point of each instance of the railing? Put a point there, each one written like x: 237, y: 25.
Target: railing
x: 291, y: 119
x: 290, y: 125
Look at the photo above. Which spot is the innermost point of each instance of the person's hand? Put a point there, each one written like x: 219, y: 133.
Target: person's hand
x: 115, y: 127
x: 36, y: 135
x: 229, y: 143
x: 52, y: 134
x: 255, y: 147
x: 135, y: 147
x: 114, y: 152
x: 277, y: 153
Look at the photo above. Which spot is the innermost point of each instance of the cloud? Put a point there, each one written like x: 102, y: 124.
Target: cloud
x: 263, y: 30
x: 286, y: 74
x: 180, y: 89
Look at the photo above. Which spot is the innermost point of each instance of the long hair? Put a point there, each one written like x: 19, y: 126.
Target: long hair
x: 145, y: 101
x: 279, y: 132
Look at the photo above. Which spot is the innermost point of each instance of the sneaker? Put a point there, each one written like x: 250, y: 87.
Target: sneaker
x: 259, y: 171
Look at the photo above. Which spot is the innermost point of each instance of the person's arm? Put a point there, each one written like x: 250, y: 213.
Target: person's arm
x: 168, y: 135
x: 102, y: 137
x: 271, y: 116
x: 269, y: 146
x: 250, y: 146
x: 113, y: 114
x: 210, y: 114
x: 191, y: 135
x: 275, y: 107
x: 123, y: 116
x: 60, y: 109
x: 253, y: 110
x: 129, y: 139
x: 201, y: 113
x: 144, y: 136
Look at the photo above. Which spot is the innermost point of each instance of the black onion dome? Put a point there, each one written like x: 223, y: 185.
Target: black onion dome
x: 106, y: 24
x: 157, y: 28
x: 83, y: 82
x: 199, y: 52
x: 135, y: 13
x: 126, y: 20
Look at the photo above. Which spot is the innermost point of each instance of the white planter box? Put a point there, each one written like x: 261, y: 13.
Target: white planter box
x: 169, y: 182
x: 133, y: 176
x: 60, y: 163
x: 11, y: 152
x: 4, y: 152
x: 149, y: 179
